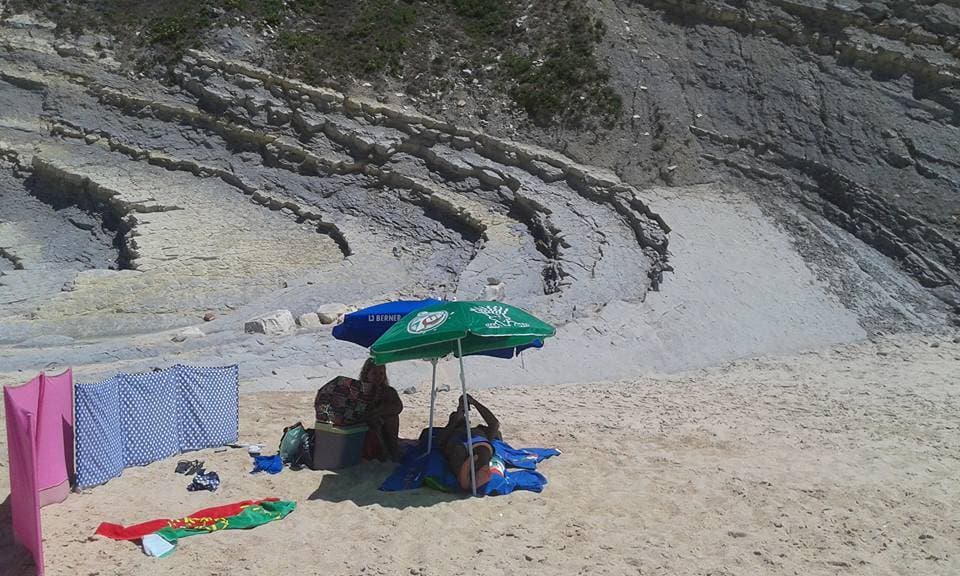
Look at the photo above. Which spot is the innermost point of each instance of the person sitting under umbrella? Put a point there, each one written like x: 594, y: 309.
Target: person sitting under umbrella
x: 451, y: 440
x: 383, y: 413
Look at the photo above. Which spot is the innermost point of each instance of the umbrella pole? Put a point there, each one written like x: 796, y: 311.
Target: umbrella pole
x: 466, y: 418
x: 433, y: 397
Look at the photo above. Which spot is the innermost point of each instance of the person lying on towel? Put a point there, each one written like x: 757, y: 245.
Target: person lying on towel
x: 452, y: 441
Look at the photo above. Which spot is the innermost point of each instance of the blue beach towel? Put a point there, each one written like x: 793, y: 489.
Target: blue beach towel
x: 271, y: 464
x: 417, y: 469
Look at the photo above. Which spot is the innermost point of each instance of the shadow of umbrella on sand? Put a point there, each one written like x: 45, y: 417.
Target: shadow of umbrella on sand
x: 359, y: 484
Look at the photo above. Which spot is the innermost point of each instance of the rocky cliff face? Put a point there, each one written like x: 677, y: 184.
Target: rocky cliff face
x: 850, y: 108
x: 803, y: 156
x: 232, y: 181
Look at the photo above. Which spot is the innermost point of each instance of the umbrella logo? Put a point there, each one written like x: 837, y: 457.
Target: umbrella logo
x: 498, y: 317
x: 427, y: 321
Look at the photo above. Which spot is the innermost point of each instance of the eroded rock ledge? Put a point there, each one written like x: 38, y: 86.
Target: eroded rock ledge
x: 850, y: 108
x: 234, y: 183
x: 371, y: 149
x: 890, y: 40
x: 929, y: 256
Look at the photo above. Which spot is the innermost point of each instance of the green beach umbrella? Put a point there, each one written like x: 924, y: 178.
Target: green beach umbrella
x: 458, y: 328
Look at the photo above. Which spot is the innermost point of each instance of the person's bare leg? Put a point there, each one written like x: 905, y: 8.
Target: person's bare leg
x: 456, y: 454
x: 483, y: 454
x: 422, y: 439
x: 391, y: 436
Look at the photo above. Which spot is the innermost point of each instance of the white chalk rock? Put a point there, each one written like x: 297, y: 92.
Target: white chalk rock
x: 276, y: 322
x: 309, y: 320
x: 188, y: 333
x: 331, y: 313
x: 494, y: 290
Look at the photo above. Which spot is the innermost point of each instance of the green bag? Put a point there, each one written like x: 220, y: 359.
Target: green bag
x: 294, y: 439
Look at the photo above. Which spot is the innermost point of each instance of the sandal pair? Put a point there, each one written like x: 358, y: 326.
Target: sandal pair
x: 189, y: 467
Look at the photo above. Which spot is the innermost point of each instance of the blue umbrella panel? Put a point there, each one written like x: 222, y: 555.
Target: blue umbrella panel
x: 364, y: 326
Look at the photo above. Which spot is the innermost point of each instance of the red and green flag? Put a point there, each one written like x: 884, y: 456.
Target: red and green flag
x: 237, y: 516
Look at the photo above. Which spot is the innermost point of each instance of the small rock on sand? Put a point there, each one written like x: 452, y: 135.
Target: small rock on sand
x: 331, y: 313
x: 276, y: 322
x: 309, y: 320
x: 188, y: 333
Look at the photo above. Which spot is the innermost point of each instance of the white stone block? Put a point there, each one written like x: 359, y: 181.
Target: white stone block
x: 331, y: 313
x: 276, y: 322
x: 309, y: 320
x: 188, y: 333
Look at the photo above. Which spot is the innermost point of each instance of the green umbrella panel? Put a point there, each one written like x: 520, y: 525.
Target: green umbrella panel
x: 436, y: 331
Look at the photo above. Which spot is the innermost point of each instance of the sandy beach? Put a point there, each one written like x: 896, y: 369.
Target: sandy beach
x: 740, y: 218
x: 839, y: 461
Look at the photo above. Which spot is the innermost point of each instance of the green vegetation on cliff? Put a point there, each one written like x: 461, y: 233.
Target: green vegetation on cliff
x: 542, y: 56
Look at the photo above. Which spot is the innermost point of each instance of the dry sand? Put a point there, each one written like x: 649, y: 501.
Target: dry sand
x: 840, y: 461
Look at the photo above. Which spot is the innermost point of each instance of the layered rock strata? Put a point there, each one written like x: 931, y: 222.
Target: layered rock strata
x: 850, y: 108
x: 233, y: 183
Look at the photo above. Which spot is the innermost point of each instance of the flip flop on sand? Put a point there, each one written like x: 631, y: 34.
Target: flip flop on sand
x: 189, y: 466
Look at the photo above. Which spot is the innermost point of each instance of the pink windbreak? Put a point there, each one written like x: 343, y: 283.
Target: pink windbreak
x: 55, y: 438
x: 39, y: 418
x: 20, y: 405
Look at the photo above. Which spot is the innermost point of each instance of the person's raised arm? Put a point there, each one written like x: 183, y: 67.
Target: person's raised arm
x: 493, y: 425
